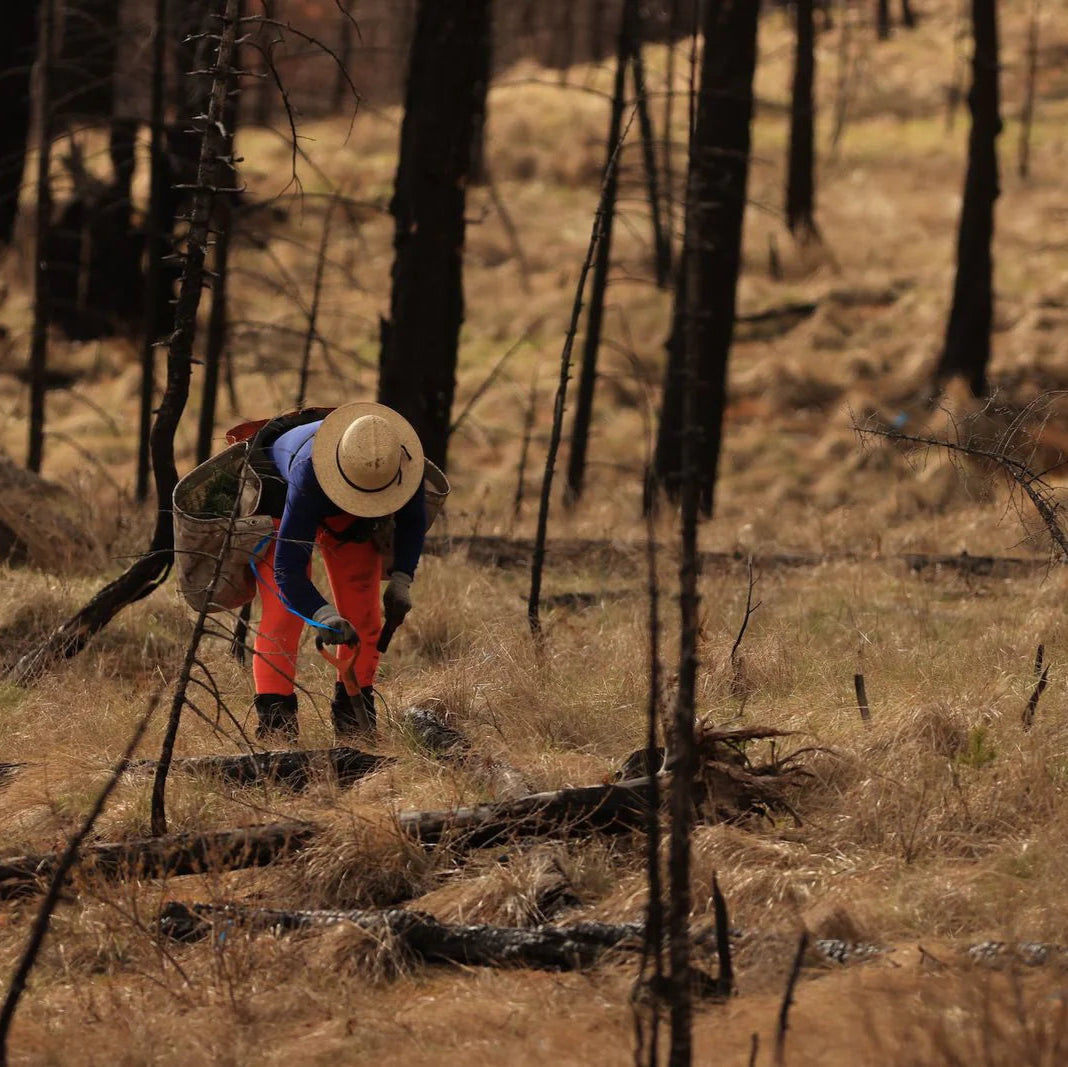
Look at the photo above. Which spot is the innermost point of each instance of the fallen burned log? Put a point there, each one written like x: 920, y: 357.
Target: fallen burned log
x: 158, y: 857
x: 616, y: 808
x: 422, y: 936
x: 604, y: 555
x: 294, y: 769
x: 447, y: 743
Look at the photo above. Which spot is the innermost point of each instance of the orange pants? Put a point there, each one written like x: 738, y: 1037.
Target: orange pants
x: 354, y: 571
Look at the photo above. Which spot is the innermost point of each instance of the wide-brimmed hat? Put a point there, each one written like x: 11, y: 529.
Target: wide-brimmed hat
x: 368, y: 459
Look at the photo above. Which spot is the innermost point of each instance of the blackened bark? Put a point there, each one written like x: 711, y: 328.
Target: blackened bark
x: 448, y: 68
x: 41, y: 282
x: 800, y: 181
x: 85, y: 63
x: 18, y: 48
x: 218, y: 334
x: 882, y: 19
x: 478, y: 174
x: 156, y: 307
x: 661, y: 244
x: 967, y: 348
x: 580, y: 427
x: 718, y: 175
x: 1027, y: 109
x: 908, y: 16
x: 341, y: 92
x: 146, y: 574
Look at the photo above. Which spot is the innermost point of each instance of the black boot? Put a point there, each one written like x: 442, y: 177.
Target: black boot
x: 277, y: 715
x: 345, y: 710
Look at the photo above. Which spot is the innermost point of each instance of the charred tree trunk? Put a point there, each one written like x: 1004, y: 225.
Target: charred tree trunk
x: 967, y: 348
x: 661, y: 244
x: 86, y: 59
x: 41, y: 283
x: 479, y: 174
x: 1027, y: 110
x: 217, y: 334
x: 341, y: 90
x: 18, y: 47
x: 800, y: 181
x: 152, y: 568
x: 674, y: 31
x: 580, y: 427
x: 447, y: 73
x: 882, y: 19
x: 157, y: 228
x: 718, y: 176
x: 908, y: 17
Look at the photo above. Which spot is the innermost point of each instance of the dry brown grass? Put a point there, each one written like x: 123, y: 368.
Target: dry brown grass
x: 943, y: 821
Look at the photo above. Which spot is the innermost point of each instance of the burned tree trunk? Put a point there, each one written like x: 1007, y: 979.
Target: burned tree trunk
x: 967, y: 348
x: 86, y: 59
x: 580, y: 427
x: 908, y: 17
x: 882, y: 19
x: 42, y: 305
x: 800, y: 181
x: 715, y: 208
x: 217, y: 334
x: 152, y: 568
x: 448, y: 68
x: 661, y: 243
x: 156, y: 307
x: 1027, y: 109
x: 18, y: 47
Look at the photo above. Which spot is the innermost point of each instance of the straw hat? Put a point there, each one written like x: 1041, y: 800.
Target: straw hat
x: 368, y: 459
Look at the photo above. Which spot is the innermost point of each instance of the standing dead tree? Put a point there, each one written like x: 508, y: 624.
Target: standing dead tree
x: 718, y: 177
x: 580, y: 427
x: 556, y: 432
x: 150, y: 569
x: 155, y: 306
x: 448, y: 69
x: 18, y: 46
x: 800, y: 176
x: 41, y: 280
x: 966, y: 352
x: 1027, y: 109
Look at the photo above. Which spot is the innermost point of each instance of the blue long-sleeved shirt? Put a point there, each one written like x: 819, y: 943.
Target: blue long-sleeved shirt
x: 306, y: 508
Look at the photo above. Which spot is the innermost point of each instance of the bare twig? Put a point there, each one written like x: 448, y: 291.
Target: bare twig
x: 596, y: 236
x: 750, y: 607
x: 788, y: 999
x: 59, y: 876
x: 1041, y: 680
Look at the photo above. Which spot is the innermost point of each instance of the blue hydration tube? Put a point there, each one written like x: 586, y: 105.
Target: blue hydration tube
x: 285, y: 603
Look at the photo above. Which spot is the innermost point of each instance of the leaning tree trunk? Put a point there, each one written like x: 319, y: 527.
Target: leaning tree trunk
x: 580, y: 427
x: 152, y: 568
x: 967, y: 349
x: 41, y: 282
x: 448, y: 68
x: 18, y: 46
x: 718, y: 176
x: 800, y: 181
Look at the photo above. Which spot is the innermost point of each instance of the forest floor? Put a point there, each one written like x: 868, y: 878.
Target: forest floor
x: 939, y: 824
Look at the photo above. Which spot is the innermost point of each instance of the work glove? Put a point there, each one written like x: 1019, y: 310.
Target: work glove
x: 397, y: 599
x: 340, y: 631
